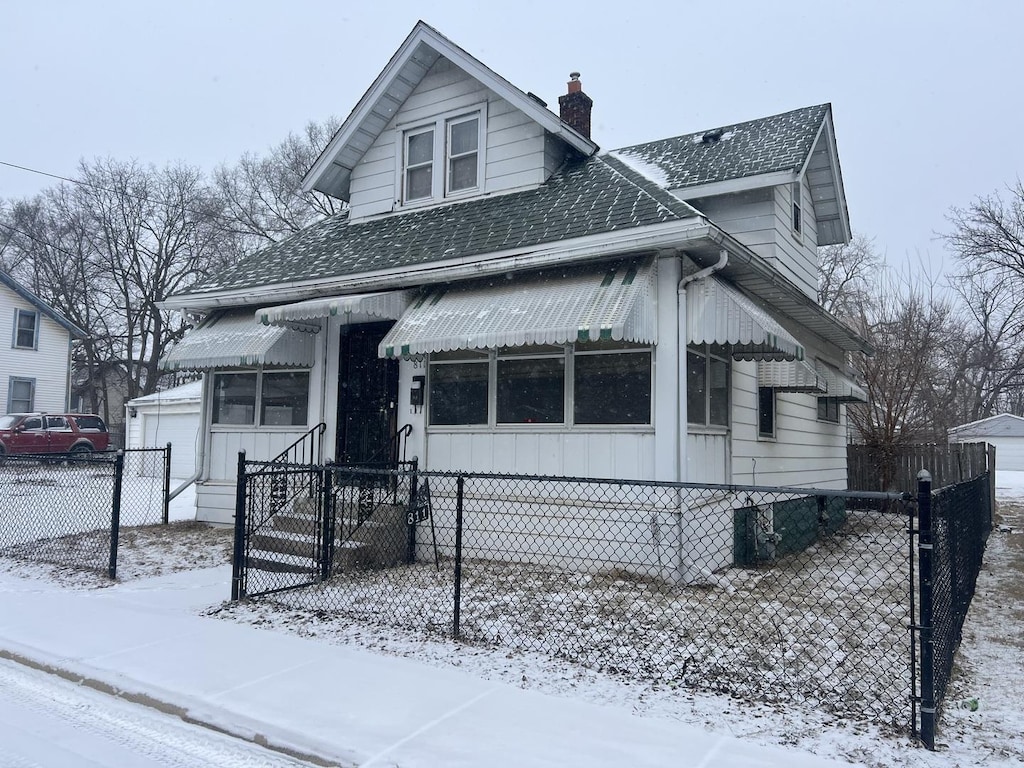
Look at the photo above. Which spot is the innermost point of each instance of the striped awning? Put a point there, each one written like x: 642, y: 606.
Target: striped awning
x: 840, y: 385
x: 717, y: 313
x: 789, y: 376
x: 554, y: 307
x: 387, y: 306
x: 236, y: 340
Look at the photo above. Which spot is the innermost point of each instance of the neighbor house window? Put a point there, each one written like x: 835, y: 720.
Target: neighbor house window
x: 583, y: 384
x: 707, y: 386
x: 21, y: 395
x: 442, y: 157
x: 281, y: 398
x: 26, y: 329
x: 828, y: 409
x: 766, y: 412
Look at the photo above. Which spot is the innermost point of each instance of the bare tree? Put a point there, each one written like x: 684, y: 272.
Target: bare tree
x: 910, y: 327
x: 988, y: 239
x: 988, y: 235
x: 846, y: 274
x: 263, y: 200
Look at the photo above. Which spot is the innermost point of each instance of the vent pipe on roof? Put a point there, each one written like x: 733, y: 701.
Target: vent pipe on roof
x: 574, y: 107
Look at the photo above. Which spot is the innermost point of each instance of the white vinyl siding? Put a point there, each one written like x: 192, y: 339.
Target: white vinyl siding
x: 48, y: 363
x: 513, y: 152
x: 597, y: 453
x: 805, y: 452
x: 762, y: 219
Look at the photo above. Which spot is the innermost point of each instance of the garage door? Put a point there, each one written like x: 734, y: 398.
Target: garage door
x: 1009, y: 452
x: 181, y: 430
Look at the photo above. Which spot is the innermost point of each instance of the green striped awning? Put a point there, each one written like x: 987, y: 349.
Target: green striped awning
x: 236, y: 340
x: 610, y: 301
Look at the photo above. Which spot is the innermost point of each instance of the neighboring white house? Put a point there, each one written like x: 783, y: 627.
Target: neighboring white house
x: 35, y: 351
x: 528, y: 303
x: 1005, y: 431
x: 171, y: 416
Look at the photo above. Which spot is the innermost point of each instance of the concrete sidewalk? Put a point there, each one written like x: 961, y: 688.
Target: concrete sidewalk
x: 337, y: 704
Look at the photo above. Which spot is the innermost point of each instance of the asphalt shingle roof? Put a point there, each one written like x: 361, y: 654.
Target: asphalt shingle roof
x: 769, y: 144
x: 589, y: 196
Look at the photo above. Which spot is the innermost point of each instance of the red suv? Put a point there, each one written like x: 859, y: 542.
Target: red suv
x: 52, y: 433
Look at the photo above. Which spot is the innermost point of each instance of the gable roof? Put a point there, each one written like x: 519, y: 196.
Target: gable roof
x: 1000, y: 425
x: 332, y: 170
x: 587, y: 197
x: 42, y: 306
x: 770, y: 150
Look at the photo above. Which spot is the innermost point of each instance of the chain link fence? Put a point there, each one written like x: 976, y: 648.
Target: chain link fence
x: 770, y: 594
x: 954, y: 526
x: 67, y: 509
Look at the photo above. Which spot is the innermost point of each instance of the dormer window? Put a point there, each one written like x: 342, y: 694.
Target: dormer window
x: 442, y: 158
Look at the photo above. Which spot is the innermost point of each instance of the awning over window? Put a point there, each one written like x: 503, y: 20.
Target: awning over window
x: 236, y: 340
x: 584, y: 304
x: 789, y: 376
x: 717, y: 313
x: 840, y: 385
x: 388, y: 306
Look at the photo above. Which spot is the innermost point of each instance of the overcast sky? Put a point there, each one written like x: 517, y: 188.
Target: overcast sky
x: 926, y: 94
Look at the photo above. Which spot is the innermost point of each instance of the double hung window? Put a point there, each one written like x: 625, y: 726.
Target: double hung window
x: 707, y: 385
x: 26, y: 329
x: 21, y: 395
x: 442, y: 158
x: 279, y: 398
x: 828, y: 409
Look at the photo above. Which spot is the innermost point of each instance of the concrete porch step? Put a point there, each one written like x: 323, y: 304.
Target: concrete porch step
x: 278, y: 562
x: 285, y: 543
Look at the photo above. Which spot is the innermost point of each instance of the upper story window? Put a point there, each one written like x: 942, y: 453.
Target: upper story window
x: 797, y: 207
x: 442, y: 158
x: 26, y: 329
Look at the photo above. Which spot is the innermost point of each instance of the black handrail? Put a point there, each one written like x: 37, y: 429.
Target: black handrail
x: 313, y: 436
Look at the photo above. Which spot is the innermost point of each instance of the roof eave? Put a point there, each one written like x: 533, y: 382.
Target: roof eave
x: 42, y: 306
x: 678, y: 234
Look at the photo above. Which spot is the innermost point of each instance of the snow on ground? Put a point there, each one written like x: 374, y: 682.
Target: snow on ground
x: 988, y: 668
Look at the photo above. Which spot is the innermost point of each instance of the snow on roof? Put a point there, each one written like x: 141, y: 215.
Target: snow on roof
x: 641, y: 165
x: 191, y: 391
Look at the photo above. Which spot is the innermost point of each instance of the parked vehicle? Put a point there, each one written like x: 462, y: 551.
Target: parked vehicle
x: 52, y: 433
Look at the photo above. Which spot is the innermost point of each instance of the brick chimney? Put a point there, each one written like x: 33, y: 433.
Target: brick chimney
x: 574, y: 106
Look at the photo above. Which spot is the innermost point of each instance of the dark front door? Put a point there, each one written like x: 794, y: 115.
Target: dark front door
x: 367, y: 396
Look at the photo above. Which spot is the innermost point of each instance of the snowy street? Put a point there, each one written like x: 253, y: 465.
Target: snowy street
x: 49, y: 722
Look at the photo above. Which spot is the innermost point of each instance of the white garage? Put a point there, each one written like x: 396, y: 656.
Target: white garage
x: 1005, y: 431
x: 171, y: 416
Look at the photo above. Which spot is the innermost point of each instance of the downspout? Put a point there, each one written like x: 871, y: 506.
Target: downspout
x: 681, y: 340
x: 204, y: 436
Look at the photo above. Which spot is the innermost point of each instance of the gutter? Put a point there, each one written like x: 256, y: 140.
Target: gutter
x: 675, y: 235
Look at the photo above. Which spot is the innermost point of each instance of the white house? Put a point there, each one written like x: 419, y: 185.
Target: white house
x: 528, y: 303
x: 170, y: 416
x: 35, y: 359
x: 1005, y: 431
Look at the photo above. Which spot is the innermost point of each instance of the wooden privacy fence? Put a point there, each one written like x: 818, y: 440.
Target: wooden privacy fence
x: 895, y: 468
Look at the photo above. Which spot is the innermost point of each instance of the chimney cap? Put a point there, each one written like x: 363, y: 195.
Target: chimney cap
x: 574, y: 75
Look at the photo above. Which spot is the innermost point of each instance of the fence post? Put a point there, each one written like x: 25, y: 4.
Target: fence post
x: 167, y: 484
x: 411, y: 528
x: 238, y: 556
x: 115, y: 513
x: 925, y: 584
x: 460, y: 485
x: 327, y: 524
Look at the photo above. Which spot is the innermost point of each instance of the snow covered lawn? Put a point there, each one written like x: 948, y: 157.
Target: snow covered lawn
x: 988, y: 667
